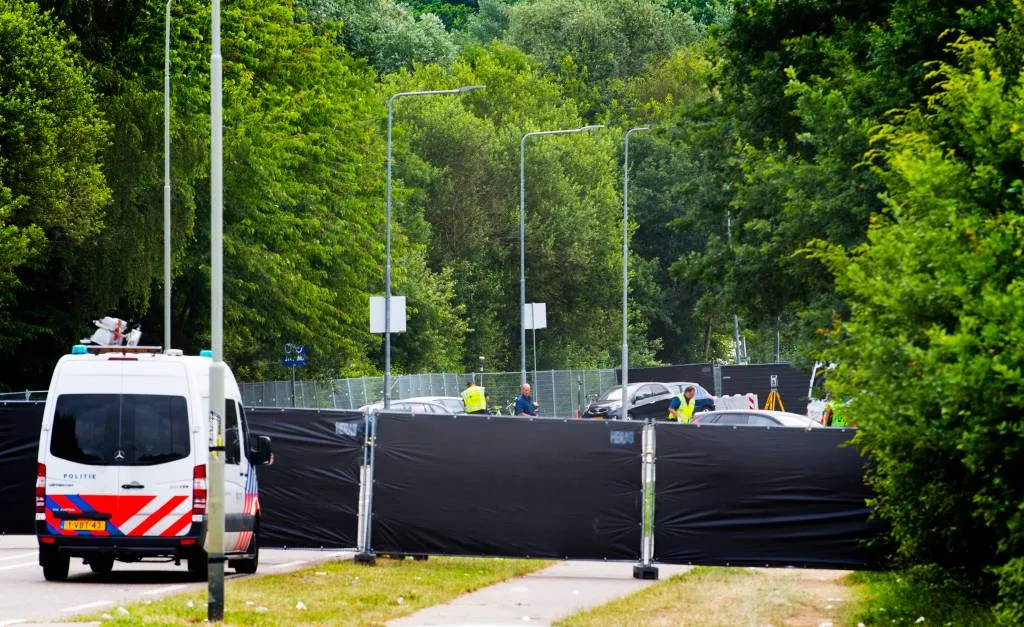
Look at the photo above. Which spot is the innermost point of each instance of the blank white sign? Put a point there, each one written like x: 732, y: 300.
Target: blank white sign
x: 535, y: 312
x: 397, y: 314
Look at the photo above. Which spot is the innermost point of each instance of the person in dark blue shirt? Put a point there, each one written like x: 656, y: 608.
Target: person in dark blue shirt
x: 524, y: 403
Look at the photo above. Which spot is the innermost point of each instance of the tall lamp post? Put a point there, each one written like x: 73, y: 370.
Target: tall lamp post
x: 522, y: 235
x: 625, y: 272
x: 167, y: 178
x: 215, y: 519
x: 387, y: 245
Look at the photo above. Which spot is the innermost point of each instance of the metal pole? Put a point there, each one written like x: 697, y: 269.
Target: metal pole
x: 522, y: 259
x: 387, y: 245
x: 625, y: 272
x: 650, y: 505
x: 534, y: 358
x: 167, y: 178
x: 387, y: 271
x: 645, y: 569
x: 522, y: 236
x: 736, y: 337
x: 735, y: 318
x: 215, y: 521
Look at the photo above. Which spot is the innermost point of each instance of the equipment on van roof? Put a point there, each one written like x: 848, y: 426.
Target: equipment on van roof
x: 114, y: 332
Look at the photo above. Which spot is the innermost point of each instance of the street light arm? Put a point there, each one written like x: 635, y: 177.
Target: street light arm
x: 436, y: 92
x: 566, y: 131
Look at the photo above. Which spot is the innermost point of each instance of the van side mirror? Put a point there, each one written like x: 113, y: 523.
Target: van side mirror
x: 259, y: 450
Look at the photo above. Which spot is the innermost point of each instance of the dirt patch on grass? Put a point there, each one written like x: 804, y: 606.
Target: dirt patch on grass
x: 812, y: 597
x: 733, y: 597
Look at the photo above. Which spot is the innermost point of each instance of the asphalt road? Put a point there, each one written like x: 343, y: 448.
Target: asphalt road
x: 26, y: 597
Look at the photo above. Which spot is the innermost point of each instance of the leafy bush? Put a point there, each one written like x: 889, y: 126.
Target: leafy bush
x: 933, y: 353
x: 902, y: 598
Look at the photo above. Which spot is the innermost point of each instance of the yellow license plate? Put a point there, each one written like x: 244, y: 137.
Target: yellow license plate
x: 84, y: 525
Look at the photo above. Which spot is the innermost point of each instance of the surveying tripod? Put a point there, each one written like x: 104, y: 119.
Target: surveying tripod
x: 773, y: 396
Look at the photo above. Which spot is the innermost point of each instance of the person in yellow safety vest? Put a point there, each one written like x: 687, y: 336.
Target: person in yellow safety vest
x: 835, y: 415
x: 474, y: 398
x: 682, y: 405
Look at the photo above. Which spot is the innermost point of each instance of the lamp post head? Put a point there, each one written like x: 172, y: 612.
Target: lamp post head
x: 592, y: 127
x: 462, y: 90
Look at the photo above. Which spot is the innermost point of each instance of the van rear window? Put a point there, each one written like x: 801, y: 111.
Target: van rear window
x: 122, y: 429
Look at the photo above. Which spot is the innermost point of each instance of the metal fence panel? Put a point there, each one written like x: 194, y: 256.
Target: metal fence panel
x: 559, y: 392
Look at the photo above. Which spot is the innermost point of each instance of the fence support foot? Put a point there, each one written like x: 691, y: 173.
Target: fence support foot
x: 420, y: 558
x: 366, y: 558
x: 643, y: 571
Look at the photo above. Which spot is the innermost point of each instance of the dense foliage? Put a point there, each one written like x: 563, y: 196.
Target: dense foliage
x: 932, y: 355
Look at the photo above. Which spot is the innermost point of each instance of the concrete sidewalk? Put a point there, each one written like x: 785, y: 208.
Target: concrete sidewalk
x: 540, y: 598
x: 18, y: 542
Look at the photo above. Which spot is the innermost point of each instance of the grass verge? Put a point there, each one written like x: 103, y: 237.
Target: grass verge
x: 332, y: 593
x: 893, y: 598
x: 727, y: 596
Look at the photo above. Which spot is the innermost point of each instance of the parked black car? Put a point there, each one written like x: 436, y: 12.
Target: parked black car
x: 647, y: 400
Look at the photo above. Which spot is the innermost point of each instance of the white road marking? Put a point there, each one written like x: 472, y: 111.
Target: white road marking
x: 16, y: 621
x: 179, y: 586
x: 86, y: 606
x: 287, y: 565
x: 17, y: 556
x: 13, y: 566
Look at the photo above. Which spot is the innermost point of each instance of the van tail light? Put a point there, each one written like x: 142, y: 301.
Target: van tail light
x: 40, y: 488
x: 199, y: 491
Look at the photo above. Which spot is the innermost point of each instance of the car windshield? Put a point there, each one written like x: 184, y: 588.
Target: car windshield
x: 454, y: 405
x: 798, y: 421
x: 615, y: 394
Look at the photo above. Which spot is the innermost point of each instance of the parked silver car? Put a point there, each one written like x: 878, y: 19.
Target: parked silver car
x: 420, y: 405
x: 755, y: 418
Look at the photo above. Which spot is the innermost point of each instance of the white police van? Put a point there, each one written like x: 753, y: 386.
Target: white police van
x: 122, y: 472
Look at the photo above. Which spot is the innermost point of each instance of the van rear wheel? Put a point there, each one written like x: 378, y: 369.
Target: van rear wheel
x: 55, y: 565
x: 101, y: 565
x: 248, y: 566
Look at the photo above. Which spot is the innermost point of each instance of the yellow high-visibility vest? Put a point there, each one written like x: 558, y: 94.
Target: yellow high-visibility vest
x: 686, y: 407
x: 474, y: 399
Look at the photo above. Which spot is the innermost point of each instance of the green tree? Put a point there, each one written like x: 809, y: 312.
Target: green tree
x: 706, y: 12
x: 52, y: 191
x: 931, y: 356
x: 462, y: 176
x: 801, y: 84
x: 490, y: 21
x: 612, y: 39
x: 385, y: 32
x: 303, y: 230
x: 455, y: 14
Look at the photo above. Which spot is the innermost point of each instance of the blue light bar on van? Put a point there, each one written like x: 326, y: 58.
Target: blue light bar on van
x: 79, y: 349
x: 206, y: 353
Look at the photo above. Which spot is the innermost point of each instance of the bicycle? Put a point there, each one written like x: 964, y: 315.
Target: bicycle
x: 511, y: 408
